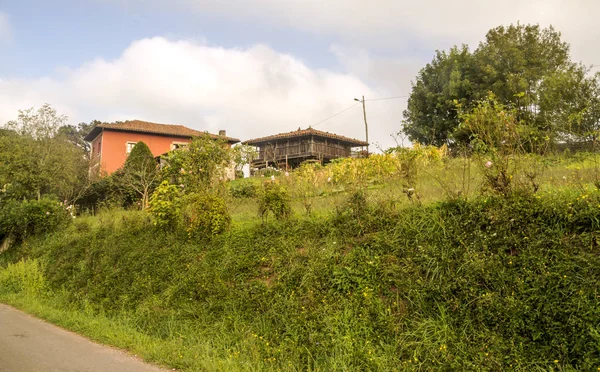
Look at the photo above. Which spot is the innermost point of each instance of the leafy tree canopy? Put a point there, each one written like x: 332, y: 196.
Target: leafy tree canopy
x: 140, y: 173
x: 76, y: 134
x: 35, y: 160
x: 140, y: 156
x: 200, y: 165
x: 431, y: 115
x: 526, y: 67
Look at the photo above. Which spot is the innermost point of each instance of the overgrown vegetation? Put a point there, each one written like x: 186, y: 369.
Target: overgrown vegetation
x: 486, y: 257
x: 369, y: 280
x: 490, y: 284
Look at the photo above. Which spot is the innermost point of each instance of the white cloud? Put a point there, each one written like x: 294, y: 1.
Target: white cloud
x: 5, y: 28
x: 408, y: 25
x: 255, y: 91
x: 384, y: 43
x: 249, y: 92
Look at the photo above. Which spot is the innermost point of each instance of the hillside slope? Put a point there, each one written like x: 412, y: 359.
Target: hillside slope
x: 489, y: 284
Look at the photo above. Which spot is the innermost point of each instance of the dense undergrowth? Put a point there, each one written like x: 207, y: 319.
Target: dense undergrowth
x: 494, y: 283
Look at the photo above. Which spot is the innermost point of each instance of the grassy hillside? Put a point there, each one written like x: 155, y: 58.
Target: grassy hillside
x: 493, y: 283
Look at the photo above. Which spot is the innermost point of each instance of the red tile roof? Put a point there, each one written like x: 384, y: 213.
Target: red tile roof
x: 306, y: 132
x: 154, y: 128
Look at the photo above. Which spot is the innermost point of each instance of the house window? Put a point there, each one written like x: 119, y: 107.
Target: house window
x: 178, y: 145
x: 129, y: 146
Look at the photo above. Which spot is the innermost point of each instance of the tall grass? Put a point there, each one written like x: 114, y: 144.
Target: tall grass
x: 491, y: 283
x: 384, y: 179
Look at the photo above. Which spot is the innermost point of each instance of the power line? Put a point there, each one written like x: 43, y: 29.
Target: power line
x: 334, y: 115
x: 348, y: 108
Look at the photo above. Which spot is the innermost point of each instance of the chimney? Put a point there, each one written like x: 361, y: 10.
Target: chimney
x: 222, y: 133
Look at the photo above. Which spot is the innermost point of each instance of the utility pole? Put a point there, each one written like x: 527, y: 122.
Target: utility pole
x: 365, y: 116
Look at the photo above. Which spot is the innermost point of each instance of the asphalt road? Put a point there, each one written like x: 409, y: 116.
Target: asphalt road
x: 28, y: 344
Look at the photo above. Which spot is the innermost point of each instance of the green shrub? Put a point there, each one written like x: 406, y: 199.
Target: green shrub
x: 25, y: 276
x: 203, y: 164
x: 244, y: 188
x: 357, y: 204
x: 205, y: 215
x: 165, y: 207
x: 306, y: 180
x: 274, y: 198
x: 31, y: 217
x: 108, y: 192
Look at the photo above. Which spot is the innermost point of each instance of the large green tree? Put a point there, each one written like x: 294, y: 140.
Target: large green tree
x: 570, y: 104
x: 526, y: 67
x: 36, y: 160
x: 514, y: 62
x: 140, y: 172
x: 431, y: 115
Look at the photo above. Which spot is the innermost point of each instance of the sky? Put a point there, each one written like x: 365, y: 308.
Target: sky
x: 251, y: 67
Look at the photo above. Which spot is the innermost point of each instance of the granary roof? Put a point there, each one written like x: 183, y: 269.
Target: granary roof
x: 139, y: 126
x: 306, y: 132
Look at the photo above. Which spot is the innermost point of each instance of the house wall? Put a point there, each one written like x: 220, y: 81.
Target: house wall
x: 96, y: 150
x: 113, y: 146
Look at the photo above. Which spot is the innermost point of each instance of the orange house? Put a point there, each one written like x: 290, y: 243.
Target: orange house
x: 112, y: 143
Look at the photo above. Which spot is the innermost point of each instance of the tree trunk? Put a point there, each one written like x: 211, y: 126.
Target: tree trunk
x: 145, y: 199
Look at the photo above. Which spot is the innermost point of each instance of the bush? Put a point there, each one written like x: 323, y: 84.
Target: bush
x: 24, y: 276
x: 204, y: 164
x: 244, y: 188
x: 31, y: 217
x: 108, y: 192
x: 357, y: 204
x: 307, y: 179
x: 164, y: 206
x: 200, y: 215
x: 205, y: 215
x: 274, y: 198
x: 498, y: 140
